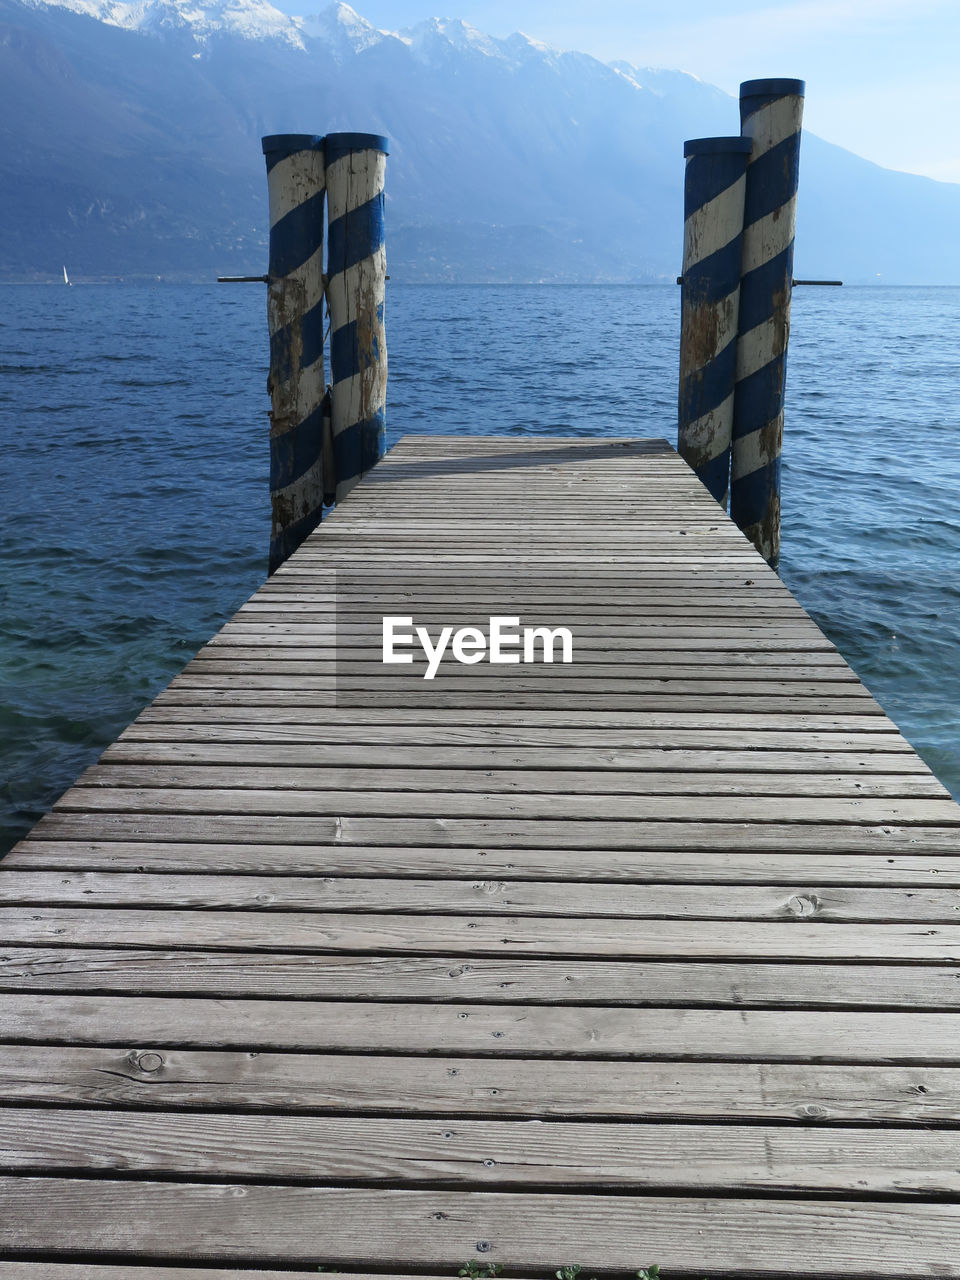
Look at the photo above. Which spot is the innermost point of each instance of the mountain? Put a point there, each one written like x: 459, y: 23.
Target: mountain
x: 132, y: 148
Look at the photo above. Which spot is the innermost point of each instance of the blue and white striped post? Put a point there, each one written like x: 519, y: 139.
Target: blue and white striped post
x: 295, y: 315
x: 770, y: 116
x: 356, y: 275
x: 713, y: 202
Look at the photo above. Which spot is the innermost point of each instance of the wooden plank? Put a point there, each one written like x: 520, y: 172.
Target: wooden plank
x: 310, y: 562
x: 586, y: 782
x: 545, y: 682
x: 231, y: 749
x: 534, y: 583
x: 363, y: 613
x: 183, y: 1221
x: 158, y: 1077
x: 703, y: 810
x: 626, y: 636
x: 368, y: 604
x: 366, y: 620
x: 101, y: 971
x: 361, y: 616
x: 573, y: 897
x: 477, y: 935
x: 724, y: 703
x: 97, y: 1271
x: 540, y: 591
x: 507, y: 834
x: 617, y: 556
x: 361, y: 656
x: 504, y: 1030
x: 620, y: 545
x: 673, y: 866
x: 346, y: 733
x: 481, y: 1154
x: 574, y: 721
x: 597, y: 651
x: 580, y: 674
x: 617, y: 552
x: 535, y: 575
x: 672, y: 527
x: 211, y: 703
x: 539, y: 581
x: 743, y: 647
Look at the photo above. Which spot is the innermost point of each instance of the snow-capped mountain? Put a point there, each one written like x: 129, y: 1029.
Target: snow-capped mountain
x: 341, y: 29
x: 134, y: 130
x: 338, y: 27
x: 248, y: 19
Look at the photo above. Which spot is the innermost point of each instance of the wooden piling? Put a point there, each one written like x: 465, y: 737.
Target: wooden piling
x: 357, y: 268
x: 713, y: 197
x: 771, y: 113
x: 295, y: 315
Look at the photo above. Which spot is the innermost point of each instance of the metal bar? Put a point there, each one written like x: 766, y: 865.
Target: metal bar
x: 821, y: 282
x: 243, y: 279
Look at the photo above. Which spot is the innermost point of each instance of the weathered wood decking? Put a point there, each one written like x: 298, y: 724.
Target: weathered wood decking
x: 654, y: 959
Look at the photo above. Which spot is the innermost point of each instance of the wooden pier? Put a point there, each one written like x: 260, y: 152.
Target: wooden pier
x: 651, y: 959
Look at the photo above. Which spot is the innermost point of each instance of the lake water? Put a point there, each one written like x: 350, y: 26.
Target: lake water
x: 135, y: 507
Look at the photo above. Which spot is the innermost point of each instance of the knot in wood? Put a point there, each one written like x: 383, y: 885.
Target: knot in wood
x: 490, y: 887
x: 810, y: 1111
x: 803, y: 905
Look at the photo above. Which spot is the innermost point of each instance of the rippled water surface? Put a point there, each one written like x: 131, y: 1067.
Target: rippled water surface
x: 133, y: 472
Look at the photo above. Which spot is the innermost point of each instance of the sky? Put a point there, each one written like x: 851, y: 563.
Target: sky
x: 883, y: 76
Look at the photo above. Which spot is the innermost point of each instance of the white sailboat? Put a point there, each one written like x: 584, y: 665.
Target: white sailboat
x: 66, y: 278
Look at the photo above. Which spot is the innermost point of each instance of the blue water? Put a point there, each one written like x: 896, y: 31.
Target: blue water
x: 133, y: 470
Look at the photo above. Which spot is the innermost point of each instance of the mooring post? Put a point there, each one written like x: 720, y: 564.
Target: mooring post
x: 713, y: 203
x: 356, y: 275
x: 295, y: 315
x: 770, y: 116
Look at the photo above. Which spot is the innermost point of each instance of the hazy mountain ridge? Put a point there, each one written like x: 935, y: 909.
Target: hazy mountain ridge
x: 133, y: 148
x: 247, y: 19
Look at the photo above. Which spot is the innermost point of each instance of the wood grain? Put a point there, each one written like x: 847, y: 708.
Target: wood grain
x: 570, y: 1031
x: 309, y: 975
x: 484, y: 1154
x: 435, y: 1229
x: 335, y: 830
x: 146, y: 1076
x: 129, y: 848
x: 478, y: 935
x: 572, y: 898
x: 652, y: 957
